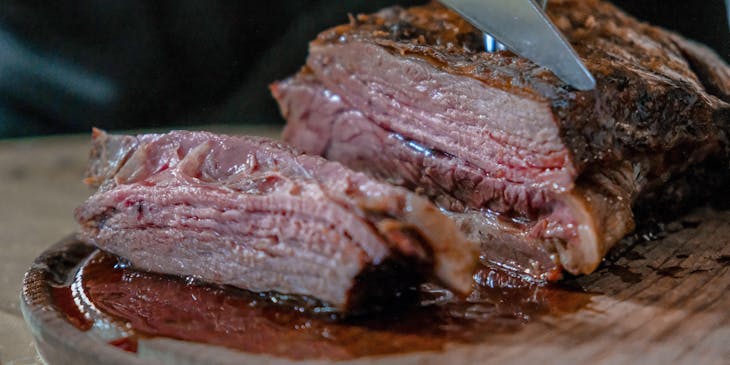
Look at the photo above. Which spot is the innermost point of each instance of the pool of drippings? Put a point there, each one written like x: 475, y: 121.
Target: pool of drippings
x: 152, y: 305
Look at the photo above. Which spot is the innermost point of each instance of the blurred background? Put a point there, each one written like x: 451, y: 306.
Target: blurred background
x: 68, y: 65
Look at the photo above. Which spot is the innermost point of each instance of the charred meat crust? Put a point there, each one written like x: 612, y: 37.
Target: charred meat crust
x: 629, y: 113
x: 390, y: 286
x: 577, y: 160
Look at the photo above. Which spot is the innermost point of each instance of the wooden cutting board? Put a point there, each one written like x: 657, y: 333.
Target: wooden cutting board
x: 660, y: 300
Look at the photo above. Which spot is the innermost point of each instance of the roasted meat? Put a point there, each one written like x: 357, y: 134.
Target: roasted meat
x: 544, y: 176
x: 257, y: 214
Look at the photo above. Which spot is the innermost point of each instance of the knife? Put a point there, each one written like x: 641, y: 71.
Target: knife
x: 522, y: 27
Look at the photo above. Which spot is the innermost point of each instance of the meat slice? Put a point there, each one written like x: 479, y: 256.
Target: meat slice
x: 544, y: 176
x: 257, y: 214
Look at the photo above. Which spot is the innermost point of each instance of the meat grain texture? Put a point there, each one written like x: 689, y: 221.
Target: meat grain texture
x: 546, y: 177
x: 256, y: 214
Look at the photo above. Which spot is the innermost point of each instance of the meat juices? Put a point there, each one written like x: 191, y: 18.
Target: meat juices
x: 544, y: 176
x: 257, y: 214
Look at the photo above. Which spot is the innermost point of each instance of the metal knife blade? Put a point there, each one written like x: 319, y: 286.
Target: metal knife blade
x: 525, y: 30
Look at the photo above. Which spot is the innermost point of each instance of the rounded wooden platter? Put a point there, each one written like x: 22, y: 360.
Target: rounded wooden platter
x: 661, y: 300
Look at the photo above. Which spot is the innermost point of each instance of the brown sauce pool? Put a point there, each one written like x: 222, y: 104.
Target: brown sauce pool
x: 153, y: 305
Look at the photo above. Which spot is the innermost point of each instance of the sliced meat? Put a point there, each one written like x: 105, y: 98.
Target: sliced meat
x: 544, y: 176
x: 257, y: 214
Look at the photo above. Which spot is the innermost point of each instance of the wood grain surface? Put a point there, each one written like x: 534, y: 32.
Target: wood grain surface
x: 661, y: 299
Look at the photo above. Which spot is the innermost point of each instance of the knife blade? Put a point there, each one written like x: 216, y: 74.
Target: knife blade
x: 525, y: 30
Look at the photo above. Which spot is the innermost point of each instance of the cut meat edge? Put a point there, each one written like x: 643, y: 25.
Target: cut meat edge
x: 395, y: 250
x: 516, y: 138
x: 311, y: 109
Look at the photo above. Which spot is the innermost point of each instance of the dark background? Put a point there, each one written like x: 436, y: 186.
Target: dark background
x: 68, y: 65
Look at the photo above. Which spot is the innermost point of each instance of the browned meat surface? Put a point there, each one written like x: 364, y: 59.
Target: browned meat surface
x: 544, y: 176
x: 257, y: 214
